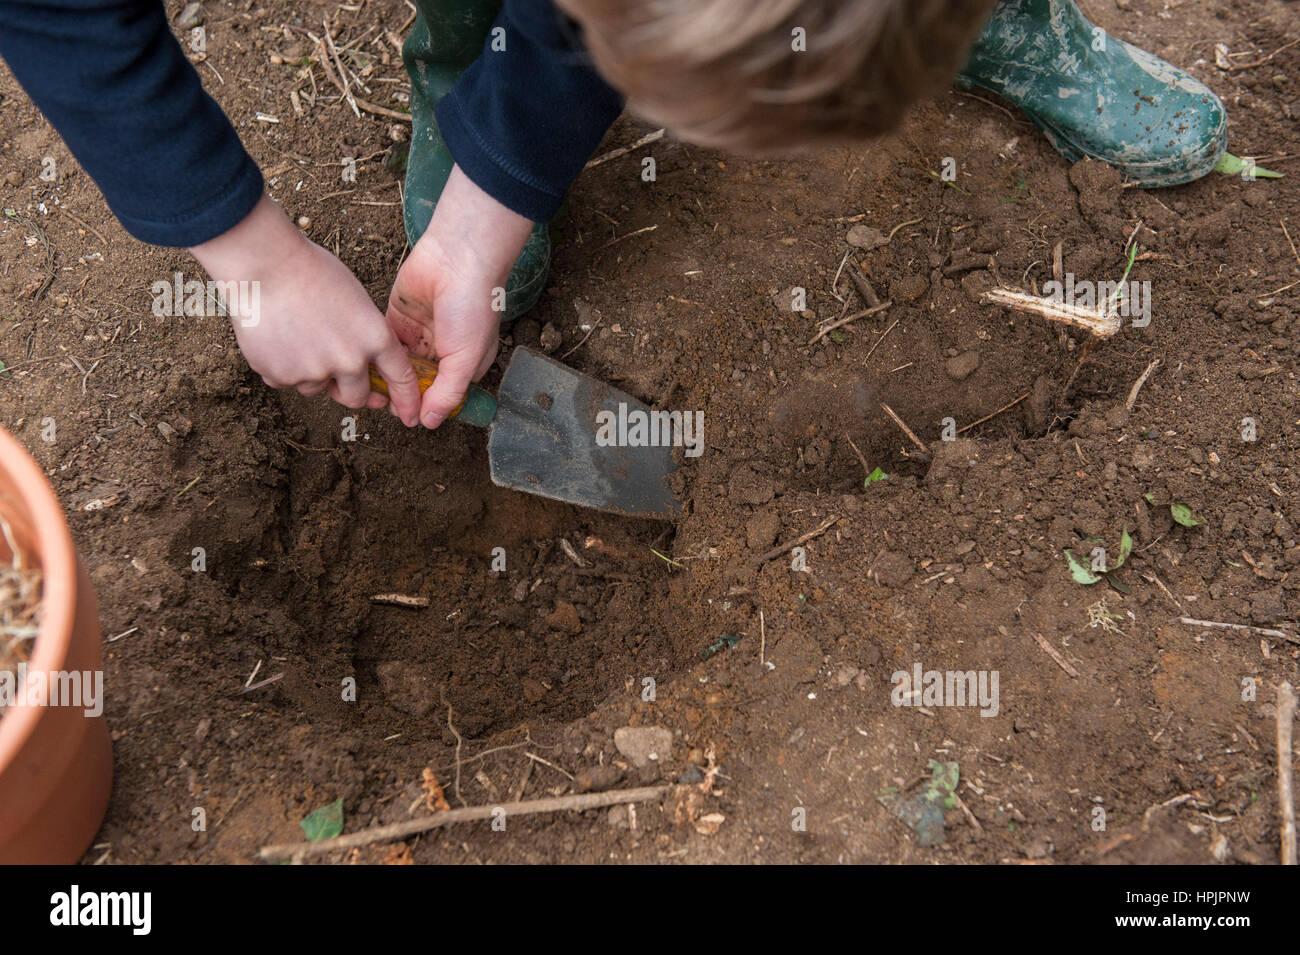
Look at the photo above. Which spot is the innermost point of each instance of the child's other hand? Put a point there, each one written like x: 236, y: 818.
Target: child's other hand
x: 442, y: 302
x: 316, y: 328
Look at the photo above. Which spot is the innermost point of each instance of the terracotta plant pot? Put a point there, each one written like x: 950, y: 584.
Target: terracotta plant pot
x: 56, y: 763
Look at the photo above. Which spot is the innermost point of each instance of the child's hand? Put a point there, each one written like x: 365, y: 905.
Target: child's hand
x: 442, y: 302
x: 315, y: 328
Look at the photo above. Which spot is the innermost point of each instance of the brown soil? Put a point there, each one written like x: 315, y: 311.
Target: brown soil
x: 954, y: 562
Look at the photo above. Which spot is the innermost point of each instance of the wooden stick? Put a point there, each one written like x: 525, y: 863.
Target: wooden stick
x: 356, y: 102
x: 1218, y: 625
x: 851, y: 318
x: 645, y: 140
x: 1102, y: 324
x: 869, y: 296
x: 1285, y: 790
x: 780, y: 549
x: 906, y: 430
x: 866, y: 468
x: 1137, y: 385
x: 400, y: 600
x: 400, y: 830
x: 988, y: 417
x: 85, y: 225
x: 1055, y: 654
x: 871, y: 351
x: 347, y: 93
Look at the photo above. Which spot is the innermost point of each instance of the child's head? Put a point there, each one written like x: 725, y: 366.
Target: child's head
x: 777, y: 75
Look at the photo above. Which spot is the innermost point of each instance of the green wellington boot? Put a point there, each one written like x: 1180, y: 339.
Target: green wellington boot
x: 448, y: 35
x: 1094, y: 95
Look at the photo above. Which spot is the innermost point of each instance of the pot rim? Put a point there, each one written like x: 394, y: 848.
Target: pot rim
x: 51, y: 542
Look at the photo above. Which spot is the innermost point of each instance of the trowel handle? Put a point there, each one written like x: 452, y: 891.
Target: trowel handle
x: 478, y: 408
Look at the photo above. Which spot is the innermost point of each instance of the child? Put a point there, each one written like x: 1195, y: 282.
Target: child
x: 506, y: 108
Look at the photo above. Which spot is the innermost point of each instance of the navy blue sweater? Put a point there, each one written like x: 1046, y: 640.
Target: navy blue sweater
x: 112, y: 79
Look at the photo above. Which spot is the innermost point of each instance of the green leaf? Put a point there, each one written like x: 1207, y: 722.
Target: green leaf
x: 874, y: 476
x: 839, y: 337
x: 1149, y: 497
x: 1125, y: 548
x: 664, y: 558
x: 1080, y: 573
x: 1231, y: 165
x: 943, y: 783
x: 1183, y: 515
x: 325, y: 823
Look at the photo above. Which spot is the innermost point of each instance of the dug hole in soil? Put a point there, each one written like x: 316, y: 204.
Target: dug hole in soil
x: 226, y: 685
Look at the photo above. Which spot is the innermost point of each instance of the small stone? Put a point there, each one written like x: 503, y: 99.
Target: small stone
x: 865, y: 237
x: 691, y: 776
x: 304, y: 222
x: 191, y: 16
x: 166, y: 431
x: 644, y: 745
x: 204, y: 727
x: 551, y: 338
x: 14, y: 178
x: 596, y: 778
x: 963, y: 366
x: 564, y: 618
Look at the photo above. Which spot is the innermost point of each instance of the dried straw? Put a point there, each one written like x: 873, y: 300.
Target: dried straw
x: 20, y: 607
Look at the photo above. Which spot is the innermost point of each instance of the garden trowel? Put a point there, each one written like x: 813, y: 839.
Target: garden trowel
x: 551, y: 433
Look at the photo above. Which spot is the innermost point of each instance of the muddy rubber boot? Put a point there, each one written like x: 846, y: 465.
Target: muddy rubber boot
x: 447, y: 36
x: 1095, y: 95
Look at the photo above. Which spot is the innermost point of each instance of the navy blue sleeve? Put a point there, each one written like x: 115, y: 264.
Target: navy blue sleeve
x: 111, y: 78
x: 522, y: 121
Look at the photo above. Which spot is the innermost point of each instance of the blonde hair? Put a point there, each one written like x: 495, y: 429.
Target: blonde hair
x: 732, y: 73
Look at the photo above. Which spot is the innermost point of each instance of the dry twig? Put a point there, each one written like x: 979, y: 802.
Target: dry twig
x: 400, y: 600
x: 844, y: 321
x: 780, y: 549
x: 1055, y: 654
x: 1285, y: 790
x: 1137, y: 385
x: 906, y: 430
x: 1103, y: 324
x: 297, y: 851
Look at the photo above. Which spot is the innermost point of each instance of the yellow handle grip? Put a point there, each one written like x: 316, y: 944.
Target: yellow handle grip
x: 425, y: 369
